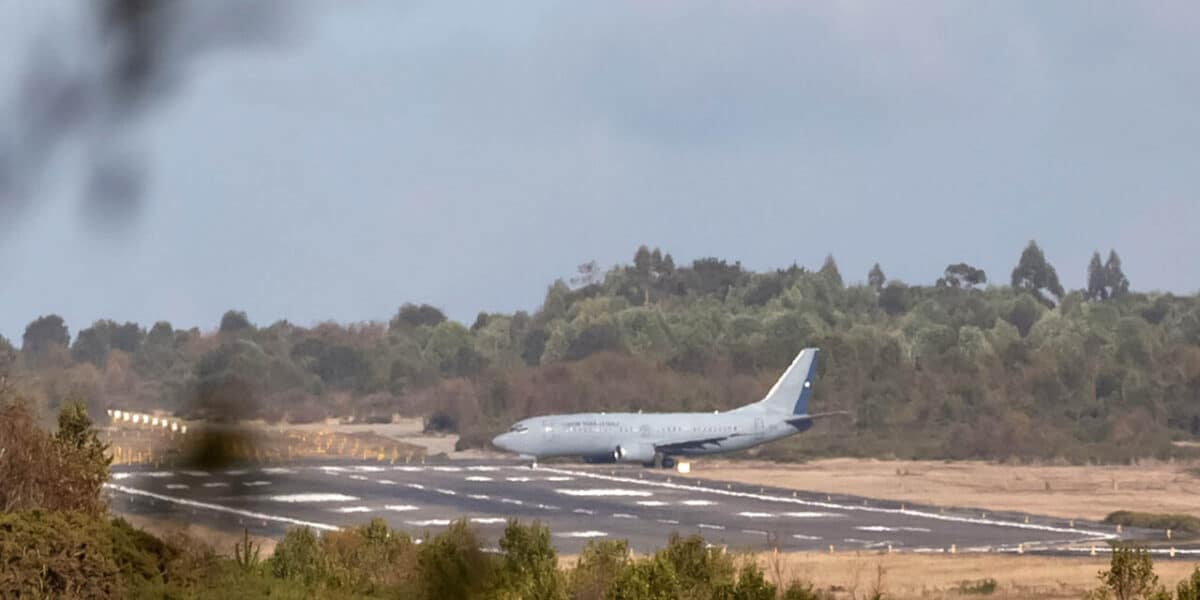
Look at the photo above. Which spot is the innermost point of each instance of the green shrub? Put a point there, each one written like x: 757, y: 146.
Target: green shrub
x: 298, y: 556
x: 453, y: 565
x: 981, y: 587
x: 529, y: 565
x: 651, y: 578
x: 1189, y: 589
x: 58, y: 555
x: 600, y: 564
x: 1177, y: 522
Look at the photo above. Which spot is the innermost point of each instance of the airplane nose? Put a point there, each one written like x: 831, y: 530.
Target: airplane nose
x: 502, y: 441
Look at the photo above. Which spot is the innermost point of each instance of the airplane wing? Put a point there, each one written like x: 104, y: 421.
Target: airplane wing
x: 805, y: 419
x: 697, y: 444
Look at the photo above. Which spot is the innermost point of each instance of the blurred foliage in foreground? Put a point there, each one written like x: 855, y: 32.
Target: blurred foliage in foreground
x: 962, y: 368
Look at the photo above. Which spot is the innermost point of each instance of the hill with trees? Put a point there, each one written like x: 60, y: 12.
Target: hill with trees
x: 965, y: 367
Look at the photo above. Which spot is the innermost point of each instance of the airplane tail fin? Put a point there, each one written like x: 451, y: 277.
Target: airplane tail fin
x: 790, y: 394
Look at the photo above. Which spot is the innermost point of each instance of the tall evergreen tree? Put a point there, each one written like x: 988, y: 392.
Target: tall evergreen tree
x: 1097, y: 277
x: 1034, y: 274
x: 829, y: 270
x: 876, y: 278
x: 1114, y: 278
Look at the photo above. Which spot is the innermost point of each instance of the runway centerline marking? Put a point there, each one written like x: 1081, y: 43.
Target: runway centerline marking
x: 312, y: 497
x: 836, y: 506
x: 352, y: 509
x: 581, y: 534
x: 596, y: 492
x: 400, y: 507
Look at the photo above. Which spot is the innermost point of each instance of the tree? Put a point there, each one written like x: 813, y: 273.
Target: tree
x: 1097, y: 286
x: 1037, y: 276
x: 587, y: 274
x: 92, y: 344
x: 234, y: 321
x: 529, y: 564
x: 43, y: 334
x: 893, y: 299
x: 600, y: 563
x: 1130, y: 575
x: 829, y: 270
x: 1114, y: 278
x: 8, y: 356
x: 412, y: 315
x: 876, y: 279
x: 962, y: 275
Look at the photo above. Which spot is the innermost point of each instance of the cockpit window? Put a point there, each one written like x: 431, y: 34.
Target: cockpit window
x: 518, y: 428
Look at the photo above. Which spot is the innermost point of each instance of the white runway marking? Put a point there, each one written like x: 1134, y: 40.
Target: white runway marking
x: 448, y: 469
x: 581, y: 534
x: 801, y: 536
x: 831, y: 505
x: 120, y: 476
x: 416, y: 486
x: 560, y: 478
x: 314, y: 497
x: 668, y: 521
x: 479, y: 496
x: 359, y: 477
x: 698, y: 503
x: 236, y: 472
x: 429, y: 522
x: 277, y: 470
x: 811, y: 515
x: 333, y: 469
x: 707, y: 526
x: 368, y: 469
x: 651, y: 503
x: 177, y: 486
x: 624, y: 516
x: 482, y: 468
x: 594, y: 492
x: 488, y: 520
x: 754, y: 532
x: 218, y: 507
x: 583, y: 511
x: 518, y: 479
x: 195, y: 473
x: 352, y: 509
x: 160, y: 474
x: 756, y: 515
x: 408, y: 469
x: 386, y: 481
x: 548, y: 507
x: 256, y: 483
x: 216, y: 484
x: 446, y: 492
x: 884, y: 528
x: 511, y: 501
x: 400, y: 507
x: 478, y: 478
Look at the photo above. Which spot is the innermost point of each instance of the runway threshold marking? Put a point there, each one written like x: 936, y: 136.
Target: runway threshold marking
x: 219, y: 508
x: 833, y: 505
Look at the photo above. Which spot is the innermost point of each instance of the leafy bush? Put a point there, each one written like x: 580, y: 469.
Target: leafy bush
x: 1176, y: 522
x: 59, y: 554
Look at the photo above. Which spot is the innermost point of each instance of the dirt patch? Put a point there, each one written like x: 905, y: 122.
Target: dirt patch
x: 1073, y: 492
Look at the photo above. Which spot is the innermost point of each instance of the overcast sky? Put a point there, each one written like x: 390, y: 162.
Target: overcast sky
x: 467, y: 154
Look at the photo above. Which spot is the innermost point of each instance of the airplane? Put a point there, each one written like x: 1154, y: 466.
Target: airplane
x: 656, y: 439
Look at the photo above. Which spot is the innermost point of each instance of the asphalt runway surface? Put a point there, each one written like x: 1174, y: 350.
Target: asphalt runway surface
x: 578, y: 503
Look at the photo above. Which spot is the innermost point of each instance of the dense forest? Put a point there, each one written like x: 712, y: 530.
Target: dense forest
x: 958, y: 368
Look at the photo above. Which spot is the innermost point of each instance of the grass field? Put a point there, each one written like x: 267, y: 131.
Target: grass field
x: 1073, y: 492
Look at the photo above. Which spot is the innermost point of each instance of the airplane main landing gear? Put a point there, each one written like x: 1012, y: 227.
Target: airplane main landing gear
x: 668, y: 462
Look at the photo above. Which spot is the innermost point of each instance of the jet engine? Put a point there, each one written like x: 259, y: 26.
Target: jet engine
x: 638, y: 453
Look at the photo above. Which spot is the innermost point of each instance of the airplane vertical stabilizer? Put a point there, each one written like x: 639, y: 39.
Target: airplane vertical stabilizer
x: 790, y: 394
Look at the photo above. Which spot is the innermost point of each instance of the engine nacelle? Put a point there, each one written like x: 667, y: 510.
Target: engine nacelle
x: 636, y: 453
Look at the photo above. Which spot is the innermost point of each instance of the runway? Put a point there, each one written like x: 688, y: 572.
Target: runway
x: 578, y: 503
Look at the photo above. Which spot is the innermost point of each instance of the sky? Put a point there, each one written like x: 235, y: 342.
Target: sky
x: 466, y: 154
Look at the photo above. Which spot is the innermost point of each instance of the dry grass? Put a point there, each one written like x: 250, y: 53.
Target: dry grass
x: 221, y: 540
x: 1073, y: 492
x: 940, y: 576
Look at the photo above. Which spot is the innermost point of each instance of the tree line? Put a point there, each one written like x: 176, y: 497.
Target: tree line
x: 963, y: 367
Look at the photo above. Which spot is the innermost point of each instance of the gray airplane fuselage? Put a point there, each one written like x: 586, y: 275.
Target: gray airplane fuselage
x: 651, y: 437
x: 635, y: 436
